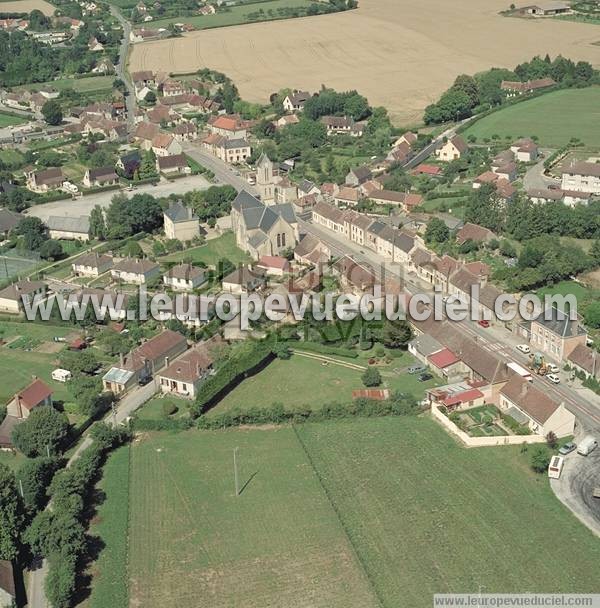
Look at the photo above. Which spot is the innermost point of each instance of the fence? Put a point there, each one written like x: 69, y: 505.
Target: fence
x: 480, y: 442
x: 17, y: 263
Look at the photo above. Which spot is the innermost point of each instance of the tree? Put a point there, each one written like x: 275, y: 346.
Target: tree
x: 97, y: 223
x: 52, y: 112
x: 35, y: 476
x: 45, y: 430
x: 282, y: 350
x: 38, y: 22
x: 150, y: 97
x: 592, y: 315
x: 33, y: 231
x: 11, y: 515
x: 371, y: 377
x: 552, y: 440
x: 540, y: 458
x: 396, y: 334
x: 51, y: 250
x: 436, y: 231
x: 85, y: 362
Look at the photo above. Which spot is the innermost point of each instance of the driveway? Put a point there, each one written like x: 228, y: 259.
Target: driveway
x: 85, y: 204
x: 581, y: 474
x: 534, y: 178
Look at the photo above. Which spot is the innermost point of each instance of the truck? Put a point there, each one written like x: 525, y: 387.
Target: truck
x: 519, y: 369
x: 555, y: 467
x: 587, y: 445
x: 537, y: 364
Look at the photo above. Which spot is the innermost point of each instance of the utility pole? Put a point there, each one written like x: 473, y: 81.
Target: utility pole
x: 21, y: 488
x: 235, y: 472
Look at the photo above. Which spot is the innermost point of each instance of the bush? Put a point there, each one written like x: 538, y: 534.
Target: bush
x: 169, y: 408
x: 45, y: 430
x: 371, y: 377
x: 539, y: 458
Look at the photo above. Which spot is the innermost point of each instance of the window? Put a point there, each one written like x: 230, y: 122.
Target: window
x: 278, y: 240
x: 283, y: 240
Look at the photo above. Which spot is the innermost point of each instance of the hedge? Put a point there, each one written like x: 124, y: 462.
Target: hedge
x: 317, y: 347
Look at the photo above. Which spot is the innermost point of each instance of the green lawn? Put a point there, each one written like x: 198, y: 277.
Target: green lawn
x: 109, y: 585
x: 11, y: 157
x: 153, y: 409
x: 210, y: 253
x: 583, y: 294
x: 235, y: 15
x: 81, y: 85
x: 301, y: 381
x: 8, y: 120
x: 12, y: 460
x: 192, y: 542
x: 353, y: 514
x: 555, y: 118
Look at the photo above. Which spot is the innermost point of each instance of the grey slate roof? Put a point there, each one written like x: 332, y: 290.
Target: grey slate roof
x: 79, y: 224
x: 558, y: 323
x: 404, y: 242
x: 9, y: 220
x: 244, y: 200
x: 178, y: 212
x: 235, y: 143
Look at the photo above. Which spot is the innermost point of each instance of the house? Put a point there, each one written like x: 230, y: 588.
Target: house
x: 244, y: 280
x: 163, y: 115
x: 70, y: 228
x: 9, y: 220
x: 143, y: 78
x: 134, y: 270
x: 353, y: 276
x: 409, y: 138
x: 514, y: 88
x: 329, y: 216
x: 445, y: 363
x: 425, y: 169
x: 184, y: 277
x: 46, y: 180
x: 183, y: 376
x: 35, y: 394
x: 585, y: 360
x: 94, y: 45
x: 525, y: 150
x: 274, y: 264
x: 144, y: 361
x: 294, y: 102
x: 546, y: 9
x: 338, y: 125
x: 405, y: 200
x: 358, y: 176
x: 555, y: 334
x: 263, y: 229
x: 92, y: 264
x: 474, y: 232
x: 347, y: 197
x: 172, y: 164
x: 145, y: 133
x: 454, y: 148
x: 507, y: 172
x: 228, y: 150
x: 185, y: 131
x: 13, y: 296
x: 307, y: 188
x: 582, y: 177
x: 423, y: 346
x: 104, y: 66
x: 129, y: 163
x: 230, y: 126
x: 544, y: 195
x: 165, y: 144
x: 103, y: 176
x: 534, y: 408
x: 285, y: 120
x: 180, y: 222
x: 171, y: 87
x: 311, y: 250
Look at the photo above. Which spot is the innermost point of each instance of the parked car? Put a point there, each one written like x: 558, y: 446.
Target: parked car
x: 524, y: 348
x: 555, y: 467
x: 567, y: 448
x: 145, y: 380
x: 483, y: 323
x: 587, y: 445
x: 417, y: 369
x: 424, y: 377
x: 552, y: 368
x: 553, y: 378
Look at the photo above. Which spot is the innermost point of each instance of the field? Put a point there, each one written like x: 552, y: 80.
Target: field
x: 235, y: 16
x: 301, y: 381
x: 81, y: 85
x: 214, y: 250
x: 8, y: 120
x: 26, y: 6
x: 545, y: 117
x: 372, y: 512
x: 392, y: 52
x: 193, y: 543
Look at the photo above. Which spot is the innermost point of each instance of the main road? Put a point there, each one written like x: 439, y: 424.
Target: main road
x: 121, y: 67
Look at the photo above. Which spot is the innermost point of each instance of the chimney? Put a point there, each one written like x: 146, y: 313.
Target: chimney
x: 166, y: 361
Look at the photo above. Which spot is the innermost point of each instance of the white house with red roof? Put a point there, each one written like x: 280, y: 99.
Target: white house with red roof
x: 34, y: 395
x: 274, y: 265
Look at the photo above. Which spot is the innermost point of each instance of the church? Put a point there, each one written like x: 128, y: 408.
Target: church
x: 272, y: 187
x: 263, y: 229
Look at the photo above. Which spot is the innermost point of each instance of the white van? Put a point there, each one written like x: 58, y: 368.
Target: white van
x: 555, y: 467
x: 61, y: 375
x: 587, y: 445
x: 524, y: 348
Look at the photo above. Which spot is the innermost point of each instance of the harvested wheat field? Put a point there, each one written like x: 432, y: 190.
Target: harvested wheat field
x: 399, y: 54
x: 26, y: 6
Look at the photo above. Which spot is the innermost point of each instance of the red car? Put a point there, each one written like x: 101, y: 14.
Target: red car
x: 484, y: 323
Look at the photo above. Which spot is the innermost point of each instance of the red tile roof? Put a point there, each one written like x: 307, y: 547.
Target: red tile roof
x: 443, y: 358
x: 34, y: 394
x: 463, y: 397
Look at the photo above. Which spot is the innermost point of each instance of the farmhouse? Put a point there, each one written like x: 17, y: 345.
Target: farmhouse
x: 165, y: 144
x: 104, y: 176
x: 535, y: 408
x: 36, y: 394
x: 184, y: 277
x: 133, y: 270
x: 144, y: 361
x: 180, y: 222
x: 230, y: 126
x: 70, y: 228
x: 186, y: 373
x: 260, y: 229
x: 548, y: 8
x: 13, y: 296
x: 582, y: 177
x: 43, y: 181
x: 454, y: 148
x: 295, y: 101
x: 514, y: 88
x: 92, y: 264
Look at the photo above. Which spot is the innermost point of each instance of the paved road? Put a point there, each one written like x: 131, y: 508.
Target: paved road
x: 83, y: 205
x: 121, y: 68
x: 36, y: 598
x: 584, y: 404
x: 223, y: 172
x: 534, y: 178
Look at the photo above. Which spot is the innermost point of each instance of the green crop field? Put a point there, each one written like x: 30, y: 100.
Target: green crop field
x: 237, y: 15
x: 222, y: 247
x: 369, y: 512
x: 545, y: 116
x: 194, y: 543
x: 8, y: 120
